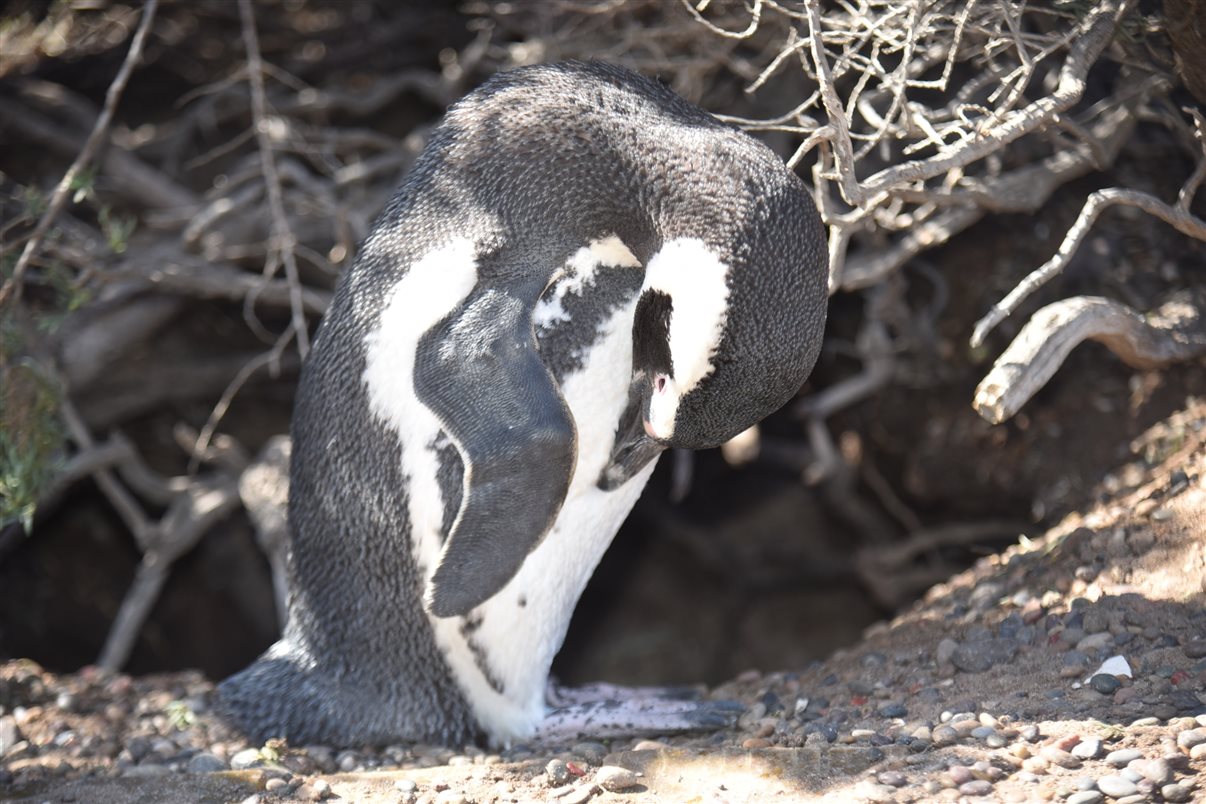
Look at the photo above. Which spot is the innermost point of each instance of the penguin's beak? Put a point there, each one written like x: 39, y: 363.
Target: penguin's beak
x: 634, y: 447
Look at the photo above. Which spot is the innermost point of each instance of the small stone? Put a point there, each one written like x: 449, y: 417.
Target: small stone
x: 1057, y: 756
x: 1156, y: 771
x: 1188, y: 739
x: 995, y: 741
x: 613, y: 778
x: 1123, y: 756
x: 247, y: 758
x: 1095, y: 642
x: 275, y: 784
x: 1105, y: 684
x: 893, y: 709
x: 981, y: 655
x: 1086, y: 797
x: 960, y: 774
x: 206, y: 763
x: 1087, y: 749
x: 590, y: 751
x: 752, y: 743
x: 1198, y: 752
x: 651, y: 745
x: 577, y: 795
x: 451, y: 797
x: 406, y: 786
x: 976, y: 787
x: 1181, y: 791
x: 557, y: 772
x: 1116, y: 786
x: 983, y: 732
x: 1195, y: 649
x: 892, y: 778
x: 945, y: 735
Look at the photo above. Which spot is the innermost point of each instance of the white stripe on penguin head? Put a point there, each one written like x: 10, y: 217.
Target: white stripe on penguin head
x: 696, y: 281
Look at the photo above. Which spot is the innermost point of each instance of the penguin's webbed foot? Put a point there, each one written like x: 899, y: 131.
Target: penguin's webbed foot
x: 635, y: 717
x: 558, y: 696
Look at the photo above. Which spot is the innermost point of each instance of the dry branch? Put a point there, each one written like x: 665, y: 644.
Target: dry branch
x: 12, y: 287
x: 1174, y: 333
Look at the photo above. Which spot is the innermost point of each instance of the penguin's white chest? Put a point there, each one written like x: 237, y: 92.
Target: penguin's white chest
x: 501, y: 652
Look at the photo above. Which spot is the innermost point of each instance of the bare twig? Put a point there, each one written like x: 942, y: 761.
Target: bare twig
x: 1174, y: 333
x: 282, y: 235
x: 12, y: 288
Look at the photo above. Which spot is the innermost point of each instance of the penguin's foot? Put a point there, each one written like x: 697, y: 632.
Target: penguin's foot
x: 634, y: 716
x: 559, y: 697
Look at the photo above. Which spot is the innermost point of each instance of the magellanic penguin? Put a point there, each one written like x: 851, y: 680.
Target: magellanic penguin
x: 580, y: 271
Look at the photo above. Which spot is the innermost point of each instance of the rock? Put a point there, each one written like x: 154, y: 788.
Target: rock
x: 944, y: 735
x: 1195, y: 649
x: 557, y: 773
x: 1057, y: 756
x: 1181, y: 791
x: 892, y: 778
x: 981, y: 655
x: 451, y: 797
x: 946, y: 649
x: 976, y: 787
x: 206, y: 763
x: 10, y: 735
x: 1117, y: 786
x: 1188, y: 739
x: 1198, y: 752
x: 590, y: 751
x: 1087, y: 749
x: 406, y: 786
x: 1105, y: 684
x: 613, y: 778
x: 247, y: 758
x: 650, y: 745
x: 1095, y: 642
x: 1086, y: 797
x: 1123, y: 756
x: 1156, y: 771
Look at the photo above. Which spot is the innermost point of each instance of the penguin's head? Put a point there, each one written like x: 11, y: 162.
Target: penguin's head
x: 726, y: 329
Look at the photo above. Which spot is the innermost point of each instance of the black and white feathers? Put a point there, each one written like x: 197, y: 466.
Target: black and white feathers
x: 581, y: 270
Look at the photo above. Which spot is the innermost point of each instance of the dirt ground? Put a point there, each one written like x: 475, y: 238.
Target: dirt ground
x: 979, y: 692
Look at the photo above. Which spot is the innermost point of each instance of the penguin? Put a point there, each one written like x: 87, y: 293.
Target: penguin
x: 581, y: 270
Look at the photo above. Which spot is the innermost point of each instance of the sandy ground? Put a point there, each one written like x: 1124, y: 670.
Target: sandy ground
x: 988, y: 689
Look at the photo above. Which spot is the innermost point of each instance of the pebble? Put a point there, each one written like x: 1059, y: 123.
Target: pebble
x: 892, y: 778
x: 1086, y: 797
x: 10, y: 735
x: 1188, y: 739
x: 1057, y: 756
x: 1181, y: 791
x: 247, y: 758
x: 983, y: 654
x: 1195, y: 649
x: 1123, y: 756
x: 976, y: 787
x: 893, y: 709
x: 1095, y: 642
x: 1105, y: 683
x: 650, y: 745
x: 406, y: 786
x: 557, y: 772
x: 1117, y: 786
x: 960, y: 774
x: 944, y: 735
x: 206, y: 763
x: 1156, y: 771
x: 1087, y: 749
x: 613, y: 778
x: 451, y: 797
x: 590, y: 751
x: 1198, y: 752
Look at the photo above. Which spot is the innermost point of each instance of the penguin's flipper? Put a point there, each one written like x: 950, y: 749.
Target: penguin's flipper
x: 480, y: 372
